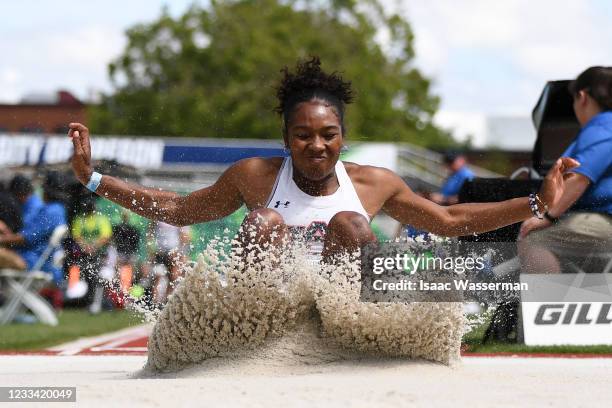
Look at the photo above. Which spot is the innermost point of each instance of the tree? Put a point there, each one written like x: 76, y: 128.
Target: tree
x: 212, y: 72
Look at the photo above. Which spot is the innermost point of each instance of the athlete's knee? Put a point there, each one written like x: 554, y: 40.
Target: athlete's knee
x: 264, y: 218
x: 350, y: 223
x: 347, y: 231
x: 262, y: 225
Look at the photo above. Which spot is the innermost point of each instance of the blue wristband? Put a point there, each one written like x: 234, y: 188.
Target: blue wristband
x: 94, y: 181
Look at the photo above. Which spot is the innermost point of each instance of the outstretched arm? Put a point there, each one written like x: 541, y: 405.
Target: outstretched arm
x: 464, y: 219
x: 216, y: 201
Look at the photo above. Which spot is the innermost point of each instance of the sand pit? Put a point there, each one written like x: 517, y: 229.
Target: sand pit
x: 302, y: 338
x: 315, y: 347
x: 278, y: 306
x: 476, y: 382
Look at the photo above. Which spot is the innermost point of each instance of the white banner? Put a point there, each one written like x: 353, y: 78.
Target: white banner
x: 26, y: 150
x: 568, y: 308
x: 558, y: 323
x: 20, y: 150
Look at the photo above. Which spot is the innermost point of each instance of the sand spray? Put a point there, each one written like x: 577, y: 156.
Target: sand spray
x: 278, y: 303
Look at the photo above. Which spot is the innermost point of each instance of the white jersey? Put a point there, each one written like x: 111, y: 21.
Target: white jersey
x: 306, y: 215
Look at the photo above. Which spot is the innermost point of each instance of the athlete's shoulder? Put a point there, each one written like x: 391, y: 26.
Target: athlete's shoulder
x: 253, y: 178
x: 257, y: 166
x: 368, y: 174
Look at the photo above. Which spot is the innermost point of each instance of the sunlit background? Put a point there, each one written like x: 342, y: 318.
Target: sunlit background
x: 488, y: 60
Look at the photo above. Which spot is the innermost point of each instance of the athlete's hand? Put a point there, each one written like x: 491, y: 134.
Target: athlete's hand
x: 81, y: 156
x: 554, y: 182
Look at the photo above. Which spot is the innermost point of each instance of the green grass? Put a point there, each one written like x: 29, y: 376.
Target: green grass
x: 72, y: 325
x: 473, y: 342
x: 78, y: 323
x: 493, y: 347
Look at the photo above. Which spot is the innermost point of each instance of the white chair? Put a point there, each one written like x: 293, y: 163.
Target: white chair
x: 21, y: 285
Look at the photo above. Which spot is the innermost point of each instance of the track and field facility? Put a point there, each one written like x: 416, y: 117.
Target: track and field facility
x: 107, y: 369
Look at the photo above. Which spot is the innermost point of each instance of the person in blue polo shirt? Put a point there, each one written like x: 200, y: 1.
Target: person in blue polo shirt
x: 32, y: 240
x: 459, y: 171
x: 31, y: 204
x: 580, y: 225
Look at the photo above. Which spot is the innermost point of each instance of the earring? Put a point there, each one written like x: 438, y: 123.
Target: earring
x: 286, y: 150
x: 344, y: 149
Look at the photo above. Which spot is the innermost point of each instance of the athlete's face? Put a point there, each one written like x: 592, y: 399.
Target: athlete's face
x: 314, y: 136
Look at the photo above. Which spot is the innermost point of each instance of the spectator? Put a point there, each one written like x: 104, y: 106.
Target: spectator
x: 92, y: 233
x: 10, y: 221
x: 581, y: 222
x: 456, y: 165
x: 11, y: 217
x: 32, y: 240
x: 170, y: 246
x: 126, y: 239
x: 31, y: 204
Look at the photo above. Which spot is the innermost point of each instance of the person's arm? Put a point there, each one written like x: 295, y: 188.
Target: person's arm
x: 4, y: 229
x: 437, y: 198
x: 464, y: 219
x: 575, y: 186
x: 214, y: 202
x: 12, y: 239
x: 454, y: 220
x: 40, y: 228
x: 592, y: 148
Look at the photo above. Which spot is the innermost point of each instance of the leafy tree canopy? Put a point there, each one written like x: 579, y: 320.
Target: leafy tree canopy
x: 212, y: 72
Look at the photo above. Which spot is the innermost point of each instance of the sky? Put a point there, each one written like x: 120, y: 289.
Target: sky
x: 485, y: 58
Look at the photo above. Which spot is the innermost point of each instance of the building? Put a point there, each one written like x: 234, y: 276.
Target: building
x: 43, y: 113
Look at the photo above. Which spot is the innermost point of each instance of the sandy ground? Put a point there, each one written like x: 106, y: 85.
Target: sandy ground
x: 476, y: 382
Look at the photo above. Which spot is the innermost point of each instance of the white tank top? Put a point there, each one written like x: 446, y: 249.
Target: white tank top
x: 306, y: 215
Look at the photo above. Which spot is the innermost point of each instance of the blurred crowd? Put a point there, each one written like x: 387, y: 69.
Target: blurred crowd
x: 98, y: 264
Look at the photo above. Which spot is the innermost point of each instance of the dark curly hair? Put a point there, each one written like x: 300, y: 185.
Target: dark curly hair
x: 310, y: 82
